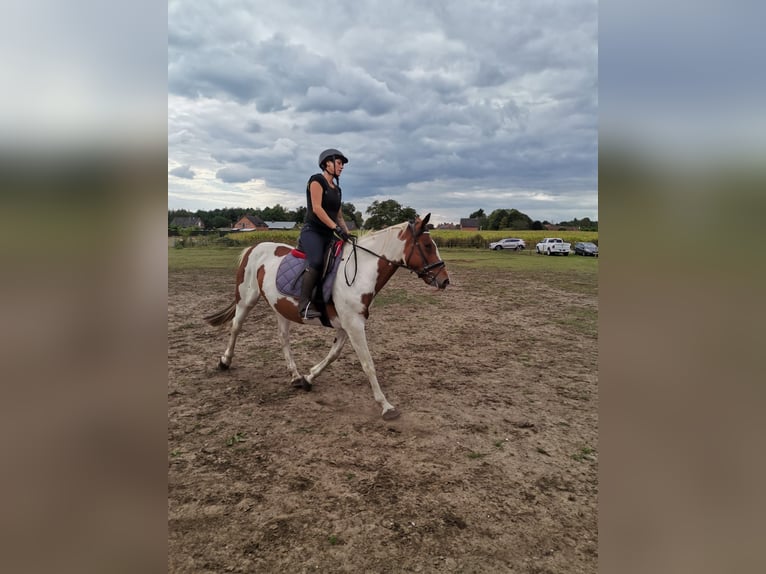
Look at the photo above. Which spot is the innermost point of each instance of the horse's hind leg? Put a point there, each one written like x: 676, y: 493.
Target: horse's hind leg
x: 340, y: 339
x: 243, y: 309
x: 283, y: 330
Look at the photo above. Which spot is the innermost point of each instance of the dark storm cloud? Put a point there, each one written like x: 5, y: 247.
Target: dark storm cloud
x: 507, y: 101
x: 268, y: 73
x: 235, y: 174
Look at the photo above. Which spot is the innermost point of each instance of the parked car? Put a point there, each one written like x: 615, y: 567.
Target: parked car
x: 509, y: 243
x: 586, y: 248
x: 553, y: 246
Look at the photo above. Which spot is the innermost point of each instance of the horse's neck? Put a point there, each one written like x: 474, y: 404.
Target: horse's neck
x: 388, y: 245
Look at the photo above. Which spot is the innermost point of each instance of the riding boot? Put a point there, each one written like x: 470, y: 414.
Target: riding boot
x: 309, y: 281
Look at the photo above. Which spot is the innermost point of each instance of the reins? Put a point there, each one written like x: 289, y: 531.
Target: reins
x: 426, y: 270
x: 354, y: 247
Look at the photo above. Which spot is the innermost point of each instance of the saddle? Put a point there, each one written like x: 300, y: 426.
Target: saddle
x: 290, y: 276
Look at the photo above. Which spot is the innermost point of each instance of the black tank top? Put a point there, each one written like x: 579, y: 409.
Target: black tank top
x: 331, y: 200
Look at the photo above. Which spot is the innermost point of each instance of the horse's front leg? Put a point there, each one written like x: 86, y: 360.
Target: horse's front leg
x: 358, y: 339
x: 283, y: 330
x: 337, y: 346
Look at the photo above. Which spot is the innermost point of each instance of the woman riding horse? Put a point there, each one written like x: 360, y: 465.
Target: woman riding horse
x: 323, y: 217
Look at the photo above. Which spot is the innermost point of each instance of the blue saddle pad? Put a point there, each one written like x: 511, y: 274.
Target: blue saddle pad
x: 290, y: 273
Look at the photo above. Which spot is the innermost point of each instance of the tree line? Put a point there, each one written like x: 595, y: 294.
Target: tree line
x: 380, y: 214
x: 513, y: 219
x: 228, y: 216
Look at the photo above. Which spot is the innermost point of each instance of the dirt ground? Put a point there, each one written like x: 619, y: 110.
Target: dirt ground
x: 492, y: 466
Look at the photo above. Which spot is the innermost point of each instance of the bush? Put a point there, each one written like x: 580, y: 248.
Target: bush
x: 247, y: 238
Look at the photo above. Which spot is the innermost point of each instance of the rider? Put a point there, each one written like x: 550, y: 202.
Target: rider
x: 323, y: 217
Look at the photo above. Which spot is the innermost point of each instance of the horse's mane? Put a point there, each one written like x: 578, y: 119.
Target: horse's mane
x: 386, y: 231
x: 397, y: 226
x: 384, y: 241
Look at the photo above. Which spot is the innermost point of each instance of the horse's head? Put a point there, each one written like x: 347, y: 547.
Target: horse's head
x: 421, y: 255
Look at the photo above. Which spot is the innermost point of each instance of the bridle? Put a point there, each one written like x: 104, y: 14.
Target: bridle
x: 425, y: 272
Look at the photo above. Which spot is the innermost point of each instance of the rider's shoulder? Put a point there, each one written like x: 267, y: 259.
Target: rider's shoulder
x: 318, y: 177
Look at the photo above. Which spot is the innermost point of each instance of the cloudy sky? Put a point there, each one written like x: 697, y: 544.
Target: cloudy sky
x: 444, y: 106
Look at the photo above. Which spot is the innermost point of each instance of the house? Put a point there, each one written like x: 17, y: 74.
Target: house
x: 249, y: 223
x: 446, y: 226
x: 184, y: 222
x: 279, y: 225
x: 469, y: 224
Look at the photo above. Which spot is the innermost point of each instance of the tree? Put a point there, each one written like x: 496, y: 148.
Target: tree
x: 219, y: 221
x: 584, y: 224
x: 385, y: 213
x: 497, y: 219
x: 508, y: 219
x: 481, y: 216
x: 351, y: 214
x: 276, y: 213
x: 518, y: 220
x: 537, y: 225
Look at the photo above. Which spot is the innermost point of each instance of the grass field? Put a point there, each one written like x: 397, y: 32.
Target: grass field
x: 578, y: 275
x: 203, y: 258
x: 527, y: 260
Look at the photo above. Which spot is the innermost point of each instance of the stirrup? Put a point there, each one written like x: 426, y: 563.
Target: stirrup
x: 309, y: 313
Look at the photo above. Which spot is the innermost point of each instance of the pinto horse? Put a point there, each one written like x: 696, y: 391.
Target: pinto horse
x: 368, y: 263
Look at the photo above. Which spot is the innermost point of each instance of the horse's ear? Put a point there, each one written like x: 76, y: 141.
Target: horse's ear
x: 425, y: 222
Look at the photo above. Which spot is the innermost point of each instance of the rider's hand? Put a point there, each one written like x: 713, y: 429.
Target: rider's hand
x: 340, y: 232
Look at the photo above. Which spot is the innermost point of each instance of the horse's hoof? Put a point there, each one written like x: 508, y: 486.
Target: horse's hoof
x: 222, y: 366
x: 301, y: 383
x: 391, y: 415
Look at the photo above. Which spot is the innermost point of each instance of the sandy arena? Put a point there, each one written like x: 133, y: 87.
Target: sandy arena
x: 492, y: 466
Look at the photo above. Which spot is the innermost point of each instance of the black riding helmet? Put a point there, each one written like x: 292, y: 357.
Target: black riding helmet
x: 331, y: 154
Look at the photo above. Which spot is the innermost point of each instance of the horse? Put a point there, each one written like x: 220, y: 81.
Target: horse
x: 373, y: 258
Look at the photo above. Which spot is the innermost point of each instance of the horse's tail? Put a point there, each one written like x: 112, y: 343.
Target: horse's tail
x: 223, y: 316
x: 226, y: 315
